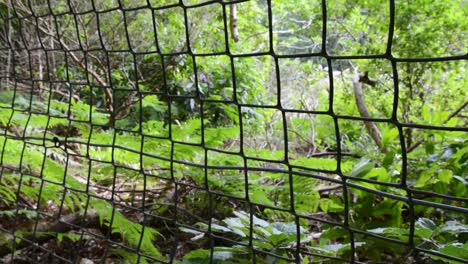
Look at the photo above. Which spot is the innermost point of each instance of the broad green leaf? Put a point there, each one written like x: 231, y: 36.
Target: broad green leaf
x: 219, y: 255
x: 388, y: 159
x: 379, y: 173
x: 330, y: 205
x: 393, y: 232
x: 458, y: 250
x: 362, y: 168
x: 260, y: 197
x: 445, y: 176
x: 426, y: 223
x: 198, y: 254
x: 278, y: 239
x: 423, y: 232
x: 454, y: 226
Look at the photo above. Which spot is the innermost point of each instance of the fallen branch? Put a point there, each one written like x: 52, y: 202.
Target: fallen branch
x: 358, y: 80
x: 330, y: 188
x: 324, y: 154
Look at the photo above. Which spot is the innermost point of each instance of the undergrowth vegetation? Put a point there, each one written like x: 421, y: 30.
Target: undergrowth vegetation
x: 129, y: 135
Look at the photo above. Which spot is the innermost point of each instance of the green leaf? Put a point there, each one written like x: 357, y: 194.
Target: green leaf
x: 288, y: 228
x: 222, y: 255
x: 379, y: 173
x: 341, y: 248
x: 260, y: 197
x: 388, y: 159
x: 333, y: 234
x: 330, y: 205
x: 191, y: 231
x: 362, y: 168
x: 388, y: 135
x: 315, y: 163
x: 198, y: 254
x: 393, y: 232
x: 429, y: 147
x: 424, y: 178
x: 219, y: 228
x: 426, y: 223
x: 458, y: 250
x: 423, y: 232
x: 454, y: 227
x: 445, y: 176
x: 278, y: 239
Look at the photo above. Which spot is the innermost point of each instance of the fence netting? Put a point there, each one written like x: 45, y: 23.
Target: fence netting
x: 267, y: 131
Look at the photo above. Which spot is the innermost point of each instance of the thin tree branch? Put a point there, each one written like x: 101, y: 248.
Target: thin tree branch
x: 373, y: 130
x: 83, y: 66
x: 452, y: 115
x: 107, y: 92
x: 233, y: 23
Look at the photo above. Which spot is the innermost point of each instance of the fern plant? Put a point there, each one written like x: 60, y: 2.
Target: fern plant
x: 34, y: 175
